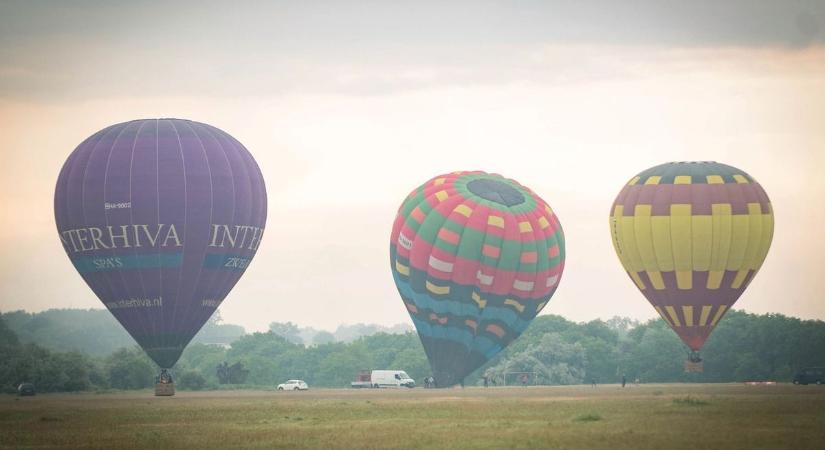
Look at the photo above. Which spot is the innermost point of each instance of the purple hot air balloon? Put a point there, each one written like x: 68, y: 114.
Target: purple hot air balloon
x: 161, y: 217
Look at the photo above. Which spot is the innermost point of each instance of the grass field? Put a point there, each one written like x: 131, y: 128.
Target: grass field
x: 577, y: 417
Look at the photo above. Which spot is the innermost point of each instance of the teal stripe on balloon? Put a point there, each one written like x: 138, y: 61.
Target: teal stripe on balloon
x: 88, y: 264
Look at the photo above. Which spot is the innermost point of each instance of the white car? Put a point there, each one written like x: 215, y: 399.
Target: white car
x: 293, y: 385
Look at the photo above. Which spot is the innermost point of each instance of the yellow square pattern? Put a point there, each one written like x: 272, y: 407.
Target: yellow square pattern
x: 543, y: 222
x: 495, y: 221
x: 680, y: 209
x: 464, y: 210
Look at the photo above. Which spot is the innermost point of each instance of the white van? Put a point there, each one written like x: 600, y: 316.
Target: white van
x: 391, y: 378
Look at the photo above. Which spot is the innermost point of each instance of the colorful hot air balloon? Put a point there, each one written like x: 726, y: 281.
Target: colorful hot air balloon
x: 475, y: 257
x: 161, y: 218
x: 692, y: 235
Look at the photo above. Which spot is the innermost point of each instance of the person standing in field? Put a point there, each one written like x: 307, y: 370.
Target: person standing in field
x: 624, y: 380
x: 485, y: 378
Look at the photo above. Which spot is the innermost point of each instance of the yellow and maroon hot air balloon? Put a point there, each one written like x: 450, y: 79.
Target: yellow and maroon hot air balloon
x: 692, y: 235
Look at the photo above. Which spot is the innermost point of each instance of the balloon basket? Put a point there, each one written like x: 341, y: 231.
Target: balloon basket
x: 164, y: 389
x: 694, y: 366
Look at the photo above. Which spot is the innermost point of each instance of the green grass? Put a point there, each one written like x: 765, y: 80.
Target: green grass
x: 689, y: 400
x: 576, y: 417
x: 589, y: 417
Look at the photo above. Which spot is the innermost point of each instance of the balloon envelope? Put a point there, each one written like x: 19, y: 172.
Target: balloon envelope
x: 160, y: 218
x: 692, y: 235
x: 475, y: 257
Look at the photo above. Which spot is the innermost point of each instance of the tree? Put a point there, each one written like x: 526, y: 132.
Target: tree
x: 657, y: 354
x: 554, y: 361
x: 214, y: 331
x: 92, y: 331
x: 191, y: 380
x: 48, y: 371
x: 130, y: 369
x: 621, y: 325
x: 234, y: 374
x: 323, y: 337
x: 339, y: 368
x: 7, y: 337
x: 288, y: 331
x: 203, y: 359
x: 349, y: 333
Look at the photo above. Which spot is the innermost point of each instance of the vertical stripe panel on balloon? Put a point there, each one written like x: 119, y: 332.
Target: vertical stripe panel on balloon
x: 114, y: 208
x: 469, y: 247
x: 643, y: 235
x: 701, y: 227
x: 198, y: 227
x: 720, y: 245
x: 503, y: 277
x: 144, y: 212
x: 491, y: 251
x: 242, y: 212
x: 661, y: 229
x: 110, y: 288
x: 74, y: 201
x: 447, y: 355
x: 221, y: 209
x: 543, y: 259
x: 680, y: 227
x: 171, y: 210
x: 504, y: 274
x: 224, y: 210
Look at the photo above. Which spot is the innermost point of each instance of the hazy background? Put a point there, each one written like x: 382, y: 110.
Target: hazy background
x: 347, y: 106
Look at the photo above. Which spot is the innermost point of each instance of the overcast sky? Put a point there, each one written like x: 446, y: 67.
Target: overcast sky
x: 347, y: 106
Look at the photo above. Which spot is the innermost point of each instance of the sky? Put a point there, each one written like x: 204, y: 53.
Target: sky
x: 348, y: 106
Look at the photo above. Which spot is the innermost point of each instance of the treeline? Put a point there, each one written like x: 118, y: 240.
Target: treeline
x: 263, y: 359
x: 344, y: 333
x: 271, y: 359
x: 743, y: 347
x: 95, y: 331
x: 50, y: 371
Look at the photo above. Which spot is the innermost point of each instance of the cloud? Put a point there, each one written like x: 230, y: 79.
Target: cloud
x: 90, y: 49
x: 336, y: 23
